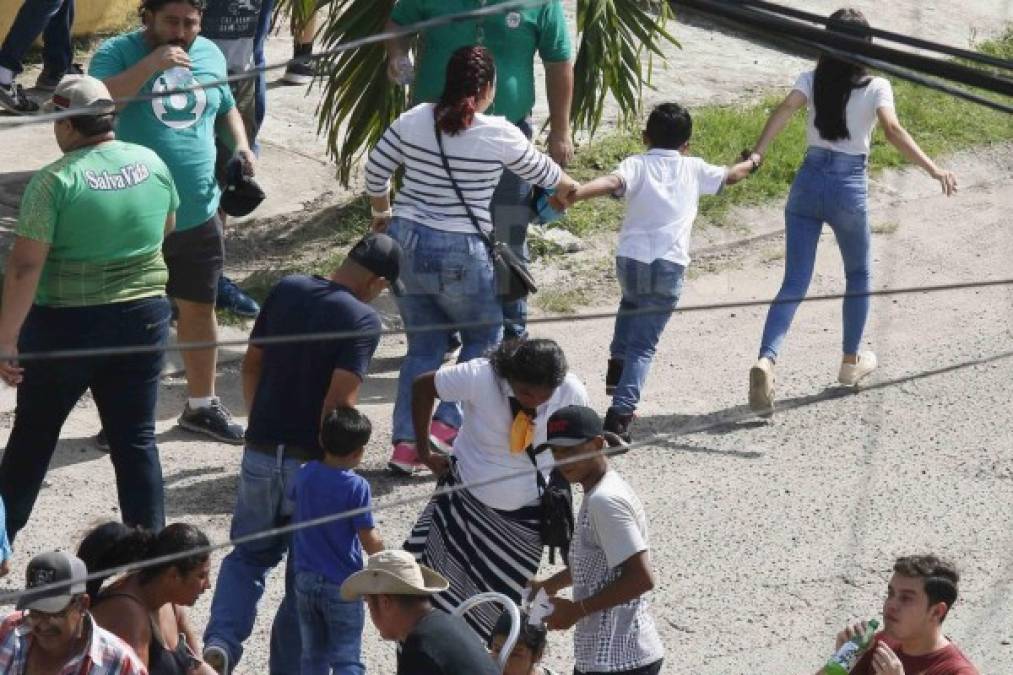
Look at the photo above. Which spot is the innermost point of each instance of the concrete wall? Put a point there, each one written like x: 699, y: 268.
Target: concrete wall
x: 90, y: 16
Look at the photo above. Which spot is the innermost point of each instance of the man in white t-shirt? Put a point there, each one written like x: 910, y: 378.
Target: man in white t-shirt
x: 662, y: 188
x: 610, y: 565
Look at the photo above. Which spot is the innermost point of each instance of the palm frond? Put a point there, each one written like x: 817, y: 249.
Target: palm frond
x: 614, y: 35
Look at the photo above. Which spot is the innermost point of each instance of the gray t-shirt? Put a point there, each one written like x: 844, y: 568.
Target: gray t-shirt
x: 611, y: 527
x: 232, y: 25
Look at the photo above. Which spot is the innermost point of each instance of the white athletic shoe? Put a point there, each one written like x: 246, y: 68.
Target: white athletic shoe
x: 761, y: 387
x: 852, y: 373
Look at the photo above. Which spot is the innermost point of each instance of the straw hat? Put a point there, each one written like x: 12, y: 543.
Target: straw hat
x: 393, y: 573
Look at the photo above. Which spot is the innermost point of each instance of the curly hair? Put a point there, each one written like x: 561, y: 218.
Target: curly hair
x: 469, y: 70
x: 539, y: 363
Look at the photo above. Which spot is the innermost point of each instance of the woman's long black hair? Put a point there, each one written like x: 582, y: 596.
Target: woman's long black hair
x: 835, y: 79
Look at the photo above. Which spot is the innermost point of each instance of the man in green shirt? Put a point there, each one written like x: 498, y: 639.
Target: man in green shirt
x: 514, y: 38
x: 168, y: 53
x: 86, y: 271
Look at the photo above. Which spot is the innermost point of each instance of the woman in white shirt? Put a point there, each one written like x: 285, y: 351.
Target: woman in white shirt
x: 447, y: 270
x: 843, y: 104
x: 487, y: 537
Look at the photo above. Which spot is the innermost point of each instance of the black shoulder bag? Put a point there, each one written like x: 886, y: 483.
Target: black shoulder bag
x: 513, y: 281
x: 557, y: 510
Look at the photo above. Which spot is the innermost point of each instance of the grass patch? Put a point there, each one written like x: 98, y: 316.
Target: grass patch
x: 940, y: 123
x: 772, y: 255
x: 887, y: 227
x: 560, y: 302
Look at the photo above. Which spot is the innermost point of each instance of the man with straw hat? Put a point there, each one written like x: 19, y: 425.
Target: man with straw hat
x: 397, y: 590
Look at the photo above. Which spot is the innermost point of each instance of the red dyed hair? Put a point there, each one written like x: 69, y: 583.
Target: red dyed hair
x: 469, y: 70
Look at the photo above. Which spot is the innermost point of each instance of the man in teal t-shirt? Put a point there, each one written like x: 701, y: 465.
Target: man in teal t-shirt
x: 167, y: 54
x: 86, y: 271
x: 514, y: 38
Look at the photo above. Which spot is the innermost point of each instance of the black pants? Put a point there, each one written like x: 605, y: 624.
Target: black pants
x: 125, y: 388
x: 652, y: 669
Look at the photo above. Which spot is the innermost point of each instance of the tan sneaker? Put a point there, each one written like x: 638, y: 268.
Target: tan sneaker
x: 852, y: 373
x: 761, y: 387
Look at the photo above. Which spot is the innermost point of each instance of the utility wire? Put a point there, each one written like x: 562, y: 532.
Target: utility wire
x: 966, y: 54
x: 590, y: 316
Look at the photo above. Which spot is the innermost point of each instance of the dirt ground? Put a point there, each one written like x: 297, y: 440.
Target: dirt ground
x: 767, y: 536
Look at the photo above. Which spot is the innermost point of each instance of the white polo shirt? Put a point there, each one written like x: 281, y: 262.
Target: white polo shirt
x: 662, y: 190
x: 482, y: 447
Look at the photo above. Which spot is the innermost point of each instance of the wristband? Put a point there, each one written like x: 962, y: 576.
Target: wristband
x: 382, y: 214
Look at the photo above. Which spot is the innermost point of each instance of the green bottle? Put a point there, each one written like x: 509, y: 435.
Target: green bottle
x: 847, y: 656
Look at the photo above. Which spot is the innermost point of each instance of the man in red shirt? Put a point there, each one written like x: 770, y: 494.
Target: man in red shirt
x: 918, y: 599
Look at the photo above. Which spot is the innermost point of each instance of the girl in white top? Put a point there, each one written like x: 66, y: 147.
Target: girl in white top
x: 447, y: 270
x: 843, y: 104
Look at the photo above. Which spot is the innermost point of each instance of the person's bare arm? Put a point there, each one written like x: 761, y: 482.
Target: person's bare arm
x: 21, y: 280
x: 554, y: 584
x: 598, y: 187
x: 423, y: 400
x: 170, y: 223
x: 899, y: 138
x: 343, y: 392
x: 253, y: 364
x: 778, y: 120
x: 370, y: 540
x: 559, y: 92
x: 129, y: 82
x: 738, y: 171
x: 635, y: 579
x: 229, y: 127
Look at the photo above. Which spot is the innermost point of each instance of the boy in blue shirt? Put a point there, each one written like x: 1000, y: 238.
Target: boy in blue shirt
x: 662, y: 188
x: 326, y: 555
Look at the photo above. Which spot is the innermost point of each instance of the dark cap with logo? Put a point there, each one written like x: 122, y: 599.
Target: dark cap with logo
x: 240, y: 194
x: 52, y: 568
x: 573, y: 425
x: 381, y: 255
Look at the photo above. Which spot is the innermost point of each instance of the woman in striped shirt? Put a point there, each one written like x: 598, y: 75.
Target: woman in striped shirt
x: 447, y: 269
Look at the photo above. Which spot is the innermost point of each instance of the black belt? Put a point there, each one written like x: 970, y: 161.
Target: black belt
x: 290, y: 450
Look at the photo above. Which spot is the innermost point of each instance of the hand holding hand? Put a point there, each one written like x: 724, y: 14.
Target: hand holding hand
x: 437, y: 462
x: 885, y: 661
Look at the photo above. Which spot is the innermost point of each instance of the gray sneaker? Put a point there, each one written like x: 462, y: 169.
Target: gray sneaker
x: 217, y: 658
x: 48, y: 80
x: 14, y: 100
x: 214, y: 421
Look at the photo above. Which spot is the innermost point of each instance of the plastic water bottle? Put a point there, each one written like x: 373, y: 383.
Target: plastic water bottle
x: 847, y: 656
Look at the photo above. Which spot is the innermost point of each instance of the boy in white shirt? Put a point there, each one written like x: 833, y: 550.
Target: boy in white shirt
x: 662, y: 188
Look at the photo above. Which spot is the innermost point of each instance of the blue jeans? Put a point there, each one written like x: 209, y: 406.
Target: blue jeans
x: 654, y: 290
x: 511, y: 214
x: 260, y: 505
x: 259, y: 60
x: 448, y: 279
x: 125, y: 389
x: 52, y: 19
x: 831, y: 187
x: 330, y: 628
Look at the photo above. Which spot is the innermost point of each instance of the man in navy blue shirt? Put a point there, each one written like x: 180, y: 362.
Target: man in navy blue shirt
x: 288, y: 389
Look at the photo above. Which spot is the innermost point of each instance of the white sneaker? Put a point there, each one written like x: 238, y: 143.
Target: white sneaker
x: 761, y: 387
x: 852, y: 373
x: 217, y: 658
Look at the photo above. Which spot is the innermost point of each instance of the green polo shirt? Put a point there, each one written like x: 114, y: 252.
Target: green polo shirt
x: 512, y: 37
x: 102, y: 210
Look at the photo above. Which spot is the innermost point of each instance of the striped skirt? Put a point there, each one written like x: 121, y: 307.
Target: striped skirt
x: 478, y: 549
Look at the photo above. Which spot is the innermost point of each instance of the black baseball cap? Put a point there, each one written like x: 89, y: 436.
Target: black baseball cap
x: 240, y: 194
x: 572, y: 425
x: 382, y: 256
x: 51, y: 568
